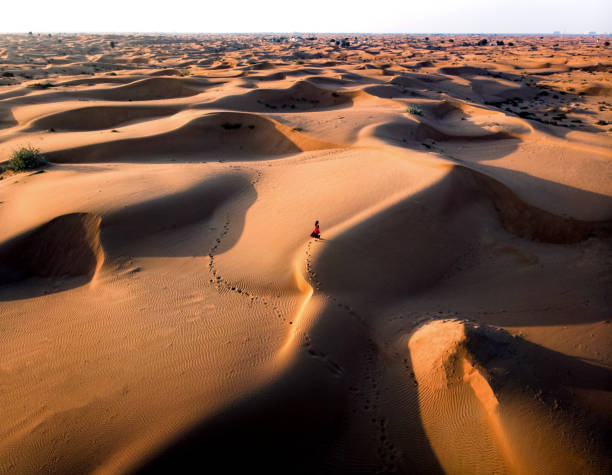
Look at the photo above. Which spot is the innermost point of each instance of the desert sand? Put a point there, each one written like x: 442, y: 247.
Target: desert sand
x: 163, y: 308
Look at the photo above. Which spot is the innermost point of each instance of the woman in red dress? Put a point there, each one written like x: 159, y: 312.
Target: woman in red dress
x: 317, y: 232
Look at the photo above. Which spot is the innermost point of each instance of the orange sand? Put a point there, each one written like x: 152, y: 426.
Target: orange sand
x: 162, y: 307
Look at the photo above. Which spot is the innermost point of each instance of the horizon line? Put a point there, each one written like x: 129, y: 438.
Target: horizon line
x: 33, y: 32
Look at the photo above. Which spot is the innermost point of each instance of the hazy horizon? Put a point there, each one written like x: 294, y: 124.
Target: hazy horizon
x: 302, y: 33
x: 274, y: 16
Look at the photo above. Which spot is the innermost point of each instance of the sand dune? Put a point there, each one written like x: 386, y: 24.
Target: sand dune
x: 164, y: 309
x: 96, y: 118
x: 301, y: 96
x: 66, y: 245
x: 99, y: 80
x: 6, y: 119
x: 413, y: 131
x: 453, y: 214
x: 214, y: 135
x: 146, y: 90
x: 467, y: 377
x: 167, y: 72
x: 139, y: 229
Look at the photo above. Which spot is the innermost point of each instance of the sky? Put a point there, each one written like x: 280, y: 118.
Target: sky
x: 316, y: 16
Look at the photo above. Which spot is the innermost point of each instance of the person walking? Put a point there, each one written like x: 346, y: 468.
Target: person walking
x: 317, y: 231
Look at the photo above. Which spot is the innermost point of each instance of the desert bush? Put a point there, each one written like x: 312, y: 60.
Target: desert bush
x: 40, y: 85
x: 112, y: 44
x: 8, y: 74
x: 230, y: 126
x: 25, y: 158
x: 414, y: 111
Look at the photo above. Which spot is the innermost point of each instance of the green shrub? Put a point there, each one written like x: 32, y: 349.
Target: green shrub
x: 26, y: 158
x: 414, y: 111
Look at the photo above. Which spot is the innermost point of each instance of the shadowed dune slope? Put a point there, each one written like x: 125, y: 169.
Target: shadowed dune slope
x: 410, y: 246
x: 482, y: 380
x: 299, y: 413
x: 149, y: 89
x: 6, y: 118
x: 465, y: 71
x: 149, y: 228
x: 268, y: 77
x: 68, y: 245
x: 410, y: 131
x: 100, y: 80
x: 216, y: 135
x: 98, y: 117
x: 301, y: 96
x: 166, y: 72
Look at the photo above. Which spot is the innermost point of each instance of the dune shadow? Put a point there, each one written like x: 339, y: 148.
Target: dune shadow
x: 392, y: 91
x: 411, y: 247
x: 300, y: 423
x: 67, y: 251
x: 599, y: 205
x: 425, y: 134
x: 534, y: 365
x: 7, y: 119
x: 61, y: 254
x: 514, y: 364
x: 408, y: 247
x: 93, y: 81
x: 523, y: 381
x: 99, y: 117
x: 212, y: 136
x: 302, y: 96
x: 288, y: 426
x: 147, y: 89
x: 173, y: 225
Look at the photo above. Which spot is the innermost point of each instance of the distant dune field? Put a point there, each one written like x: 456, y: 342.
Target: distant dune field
x: 163, y: 308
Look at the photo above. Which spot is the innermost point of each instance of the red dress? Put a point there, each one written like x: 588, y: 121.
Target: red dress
x: 316, y: 233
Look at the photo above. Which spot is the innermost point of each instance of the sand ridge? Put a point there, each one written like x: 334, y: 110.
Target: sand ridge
x: 164, y: 309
